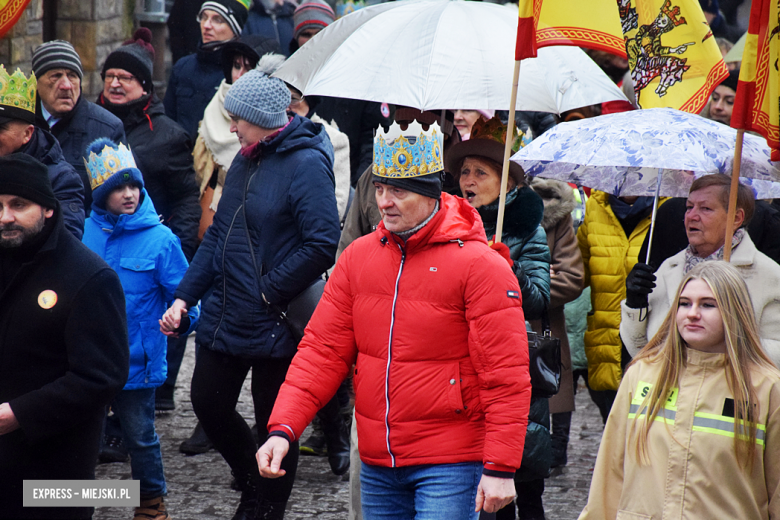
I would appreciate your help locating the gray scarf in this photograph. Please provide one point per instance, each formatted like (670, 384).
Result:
(691, 259)
(409, 232)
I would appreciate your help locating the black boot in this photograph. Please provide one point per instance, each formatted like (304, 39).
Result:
(315, 444)
(248, 505)
(336, 437)
(112, 450)
(163, 398)
(197, 443)
(267, 510)
(561, 424)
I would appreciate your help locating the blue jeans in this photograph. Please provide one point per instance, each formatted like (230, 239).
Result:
(430, 492)
(135, 410)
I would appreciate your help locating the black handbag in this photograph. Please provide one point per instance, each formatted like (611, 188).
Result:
(300, 308)
(544, 358)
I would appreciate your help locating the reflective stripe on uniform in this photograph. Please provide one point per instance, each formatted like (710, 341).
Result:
(668, 416)
(722, 425)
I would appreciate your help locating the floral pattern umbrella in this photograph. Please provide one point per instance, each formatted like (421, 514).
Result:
(622, 153)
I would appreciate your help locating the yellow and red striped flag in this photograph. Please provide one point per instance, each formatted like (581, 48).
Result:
(672, 53)
(10, 12)
(757, 103)
(570, 22)
(526, 30)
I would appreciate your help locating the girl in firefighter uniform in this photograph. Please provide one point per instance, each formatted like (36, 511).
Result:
(695, 429)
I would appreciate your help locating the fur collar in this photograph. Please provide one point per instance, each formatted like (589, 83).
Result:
(522, 215)
(558, 199)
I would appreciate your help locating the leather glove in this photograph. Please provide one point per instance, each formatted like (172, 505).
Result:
(639, 283)
(502, 249)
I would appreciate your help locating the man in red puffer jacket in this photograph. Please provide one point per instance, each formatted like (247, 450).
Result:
(433, 319)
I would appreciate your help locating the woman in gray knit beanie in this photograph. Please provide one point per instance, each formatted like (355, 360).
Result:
(275, 232)
(257, 104)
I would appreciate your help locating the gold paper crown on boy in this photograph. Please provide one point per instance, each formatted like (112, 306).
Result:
(413, 152)
(109, 159)
(17, 96)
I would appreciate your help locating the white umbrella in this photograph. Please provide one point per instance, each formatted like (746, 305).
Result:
(442, 54)
(735, 53)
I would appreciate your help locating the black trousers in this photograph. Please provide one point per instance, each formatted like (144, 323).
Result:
(216, 386)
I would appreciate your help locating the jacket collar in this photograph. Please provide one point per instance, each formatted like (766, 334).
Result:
(522, 214)
(455, 221)
(742, 255)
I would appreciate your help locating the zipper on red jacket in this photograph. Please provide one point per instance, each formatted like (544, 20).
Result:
(390, 356)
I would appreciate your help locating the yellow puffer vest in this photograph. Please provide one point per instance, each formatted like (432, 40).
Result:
(608, 257)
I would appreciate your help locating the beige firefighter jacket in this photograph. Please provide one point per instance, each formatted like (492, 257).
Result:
(693, 471)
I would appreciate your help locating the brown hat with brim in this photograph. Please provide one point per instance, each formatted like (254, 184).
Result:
(487, 140)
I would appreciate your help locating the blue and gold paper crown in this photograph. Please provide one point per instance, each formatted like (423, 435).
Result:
(108, 162)
(408, 153)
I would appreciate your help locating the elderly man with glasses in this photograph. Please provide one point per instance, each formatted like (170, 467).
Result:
(161, 147)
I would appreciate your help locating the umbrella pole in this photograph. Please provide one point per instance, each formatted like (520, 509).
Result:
(733, 195)
(655, 210)
(510, 128)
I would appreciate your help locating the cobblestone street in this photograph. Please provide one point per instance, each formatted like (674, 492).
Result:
(199, 486)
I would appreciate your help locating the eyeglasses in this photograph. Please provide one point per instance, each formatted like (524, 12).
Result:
(124, 79)
(295, 101)
(214, 19)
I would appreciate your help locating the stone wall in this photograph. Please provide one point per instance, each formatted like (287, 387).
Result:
(17, 46)
(94, 27)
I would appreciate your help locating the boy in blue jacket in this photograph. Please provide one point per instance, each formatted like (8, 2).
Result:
(125, 231)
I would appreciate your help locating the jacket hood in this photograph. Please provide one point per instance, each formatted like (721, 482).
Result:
(144, 217)
(558, 200)
(301, 133)
(44, 147)
(455, 220)
(522, 215)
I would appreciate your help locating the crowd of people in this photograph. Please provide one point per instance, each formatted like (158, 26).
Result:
(131, 222)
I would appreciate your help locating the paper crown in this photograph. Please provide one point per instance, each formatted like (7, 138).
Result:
(17, 95)
(408, 153)
(495, 130)
(110, 160)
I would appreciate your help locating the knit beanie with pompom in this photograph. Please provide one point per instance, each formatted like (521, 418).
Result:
(136, 56)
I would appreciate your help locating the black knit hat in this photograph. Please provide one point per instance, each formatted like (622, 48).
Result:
(56, 54)
(26, 177)
(136, 56)
(731, 80)
(251, 46)
(427, 185)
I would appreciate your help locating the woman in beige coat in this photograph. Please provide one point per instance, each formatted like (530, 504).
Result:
(566, 278)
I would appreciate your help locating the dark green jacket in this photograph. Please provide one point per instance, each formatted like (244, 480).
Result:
(527, 244)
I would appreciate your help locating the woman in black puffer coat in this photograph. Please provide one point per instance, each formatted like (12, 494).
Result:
(476, 163)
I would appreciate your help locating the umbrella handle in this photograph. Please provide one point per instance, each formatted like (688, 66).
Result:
(510, 127)
(655, 210)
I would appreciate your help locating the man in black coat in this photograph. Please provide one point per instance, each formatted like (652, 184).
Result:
(162, 149)
(62, 110)
(63, 350)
